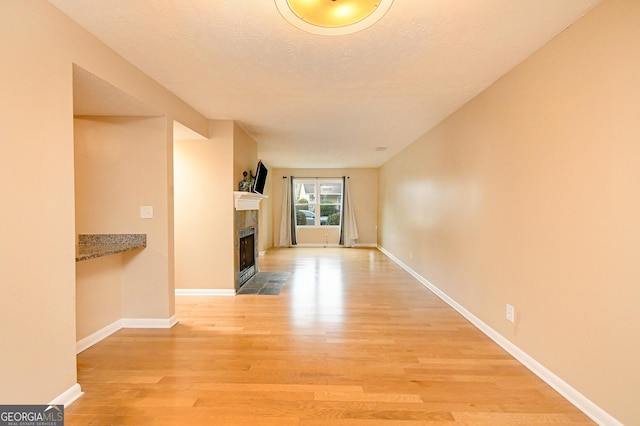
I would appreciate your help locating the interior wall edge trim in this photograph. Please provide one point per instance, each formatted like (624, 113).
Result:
(85, 343)
(67, 397)
(149, 322)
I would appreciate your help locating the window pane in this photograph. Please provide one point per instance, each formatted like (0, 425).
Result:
(305, 197)
(318, 202)
(330, 203)
(331, 188)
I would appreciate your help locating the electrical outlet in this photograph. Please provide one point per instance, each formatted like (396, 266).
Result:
(410, 255)
(511, 313)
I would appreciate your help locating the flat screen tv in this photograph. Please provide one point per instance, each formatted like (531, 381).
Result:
(261, 178)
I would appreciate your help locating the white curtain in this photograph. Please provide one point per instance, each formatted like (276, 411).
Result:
(287, 219)
(348, 227)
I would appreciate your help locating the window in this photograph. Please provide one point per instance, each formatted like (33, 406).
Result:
(318, 202)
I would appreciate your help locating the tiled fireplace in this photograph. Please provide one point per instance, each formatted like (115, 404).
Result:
(246, 224)
(246, 237)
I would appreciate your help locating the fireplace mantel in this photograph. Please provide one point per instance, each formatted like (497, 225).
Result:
(247, 200)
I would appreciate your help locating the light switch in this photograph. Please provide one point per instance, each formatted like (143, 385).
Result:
(146, 212)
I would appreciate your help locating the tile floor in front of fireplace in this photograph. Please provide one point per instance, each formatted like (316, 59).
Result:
(266, 283)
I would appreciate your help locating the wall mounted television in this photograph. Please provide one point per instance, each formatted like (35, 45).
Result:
(260, 179)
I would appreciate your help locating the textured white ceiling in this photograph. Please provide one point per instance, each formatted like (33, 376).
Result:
(314, 101)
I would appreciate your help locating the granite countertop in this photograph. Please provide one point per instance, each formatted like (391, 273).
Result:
(91, 246)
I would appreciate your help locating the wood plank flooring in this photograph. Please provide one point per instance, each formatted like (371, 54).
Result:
(352, 340)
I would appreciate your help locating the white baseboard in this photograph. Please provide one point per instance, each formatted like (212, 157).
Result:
(67, 397)
(149, 322)
(87, 342)
(205, 292)
(584, 404)
(335, 245)
(303, 245)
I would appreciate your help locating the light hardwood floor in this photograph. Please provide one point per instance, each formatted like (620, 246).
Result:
(352, 340)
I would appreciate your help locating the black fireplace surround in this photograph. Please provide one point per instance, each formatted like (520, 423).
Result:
(247, 255)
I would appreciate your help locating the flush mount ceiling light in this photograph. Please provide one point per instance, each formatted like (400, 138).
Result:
(333, 17)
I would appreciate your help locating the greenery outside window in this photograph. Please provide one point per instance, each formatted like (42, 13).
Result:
(318, 202)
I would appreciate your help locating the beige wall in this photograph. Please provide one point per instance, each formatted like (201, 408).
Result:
(121, 163)
(37, 266)
(245, 158)
(98, 294)
(364, 195)
(529, 195)
(245, 154)
(266, 214)
(204, 212)
(206, 172)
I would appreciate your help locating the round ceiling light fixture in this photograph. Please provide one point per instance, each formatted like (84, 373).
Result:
(332, 17)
